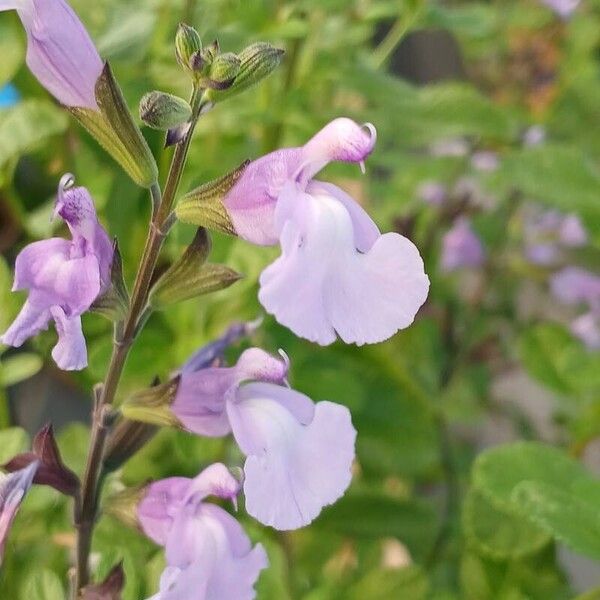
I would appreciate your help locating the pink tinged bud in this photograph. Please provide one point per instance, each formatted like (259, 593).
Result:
(60, 52)
(461, 247)
(13, 488)
(63, 279)
(534, 135)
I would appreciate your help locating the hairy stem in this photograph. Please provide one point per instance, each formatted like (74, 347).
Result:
(86, 506)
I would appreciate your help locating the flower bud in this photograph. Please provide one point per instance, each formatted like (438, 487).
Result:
(223, 71)
(187, 44)
(164, 111)
(256, 62)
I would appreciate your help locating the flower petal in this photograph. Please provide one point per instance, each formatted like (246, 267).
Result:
(215, 480)
(157, 508)
(29, 322)
(70, 352)
(47, 267)
(251, 201)
(366, 231)
(13, 488)
(200, 401)
(53, 30)
(214, 556)
(293, 470)
(321, 284)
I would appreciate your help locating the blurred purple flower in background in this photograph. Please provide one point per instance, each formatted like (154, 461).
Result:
(53, 32)
(63, 279)
(209, 556)
(485, 160)
(13, 488)
(547, 232)
(9, 96)
(461, 247)
(299, 454)
(337, 273)
(563, 8)
(433, 193)
(534, 136)
(573, 285)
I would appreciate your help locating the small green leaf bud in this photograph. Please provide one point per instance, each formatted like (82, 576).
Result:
(187, 44)
(164, 111)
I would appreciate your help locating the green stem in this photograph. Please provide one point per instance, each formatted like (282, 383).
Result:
(395, 35)
(86, 505)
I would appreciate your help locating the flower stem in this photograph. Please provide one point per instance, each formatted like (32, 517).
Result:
(86, 505)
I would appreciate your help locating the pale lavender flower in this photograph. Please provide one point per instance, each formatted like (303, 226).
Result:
(336, 273)
(563, 8)
(13, 488)
(209, 556)
(299, 454)
(485, 161)
(587, 328)
(60, 52)
(433, 193)
(534, 136)
(63, 279)
(461, 247)
(573, 285)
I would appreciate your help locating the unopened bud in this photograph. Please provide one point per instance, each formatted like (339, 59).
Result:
(211, 52)
(256, 62)
(223, 71)
(164, 111)
(187, 44)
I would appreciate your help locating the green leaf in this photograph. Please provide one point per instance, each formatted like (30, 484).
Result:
(558, 360)
(542, 484)
(43, 585)
(383, 584)
(497, 533)
(19, 367)
(560, 176)
(27, 125)
(570, 517)
(13, 440)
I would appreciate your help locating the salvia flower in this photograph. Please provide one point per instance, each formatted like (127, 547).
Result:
(461, 247)
(337, 273)
(63, 278)
(13, 488)
(60, 52)
(299, 454)
(209, 556)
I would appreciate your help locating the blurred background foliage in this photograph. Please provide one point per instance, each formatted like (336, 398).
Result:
(437, 508)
